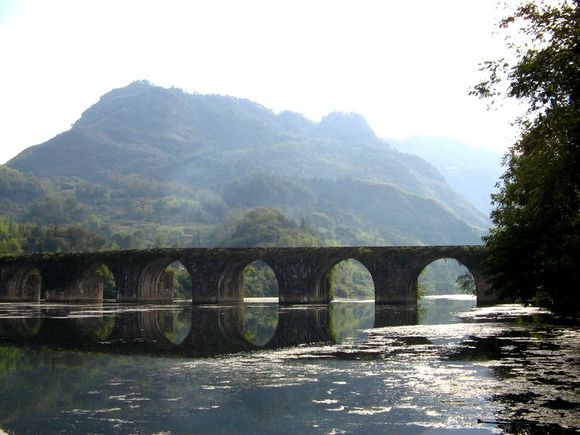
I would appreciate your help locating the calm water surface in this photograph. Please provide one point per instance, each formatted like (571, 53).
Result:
(445, 367)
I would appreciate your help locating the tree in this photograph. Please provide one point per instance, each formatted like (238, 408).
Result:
(534, 245)
(268, 227)
(10, 237)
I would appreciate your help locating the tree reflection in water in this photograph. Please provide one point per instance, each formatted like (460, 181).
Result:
(349, 320)
(260, 322)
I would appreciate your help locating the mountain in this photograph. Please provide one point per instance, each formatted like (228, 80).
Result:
(469, 170)
(147, 154)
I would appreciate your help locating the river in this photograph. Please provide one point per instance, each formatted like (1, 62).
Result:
(351, 367)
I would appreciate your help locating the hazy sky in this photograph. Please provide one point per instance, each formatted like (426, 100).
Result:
(406, 66)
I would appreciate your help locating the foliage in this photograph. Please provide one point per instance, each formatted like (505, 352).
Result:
(109, 284)
(259, 323)
(268, 227)
(150, 167)
(184, 288)
(349, 319)
(259, 280)
(10, 237)
(445, 276)
(350, 279)
(466, 284)
(148, 155)
(535, 241)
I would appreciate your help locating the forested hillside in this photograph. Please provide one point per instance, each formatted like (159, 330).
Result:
(148, 166)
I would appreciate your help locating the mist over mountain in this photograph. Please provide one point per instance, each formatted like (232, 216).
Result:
(469, 170)
(144, 154)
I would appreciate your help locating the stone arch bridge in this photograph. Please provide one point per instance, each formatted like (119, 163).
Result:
(216, 273)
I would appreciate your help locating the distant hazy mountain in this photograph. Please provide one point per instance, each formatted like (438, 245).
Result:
(214, 153)
(471, 171)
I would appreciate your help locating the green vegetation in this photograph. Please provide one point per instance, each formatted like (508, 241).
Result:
(259, 280)
(171, 176)
(259, 323)
(10, 237)
(26, 238)
(446, 276)
(350, 279)
(535, 241)
(267, 227)
(109, 285)
(347, 320)
(150, 167)
(466, 284)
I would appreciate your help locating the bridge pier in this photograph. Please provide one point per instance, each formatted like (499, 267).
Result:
(297, 283)
(393, 281)
(208, 276)
(71, 278)
(87, 288)
(143, 281)
(127, 281)
(484, 292)
(391, 273)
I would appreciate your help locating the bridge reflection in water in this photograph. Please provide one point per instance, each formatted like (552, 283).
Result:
(194, 331)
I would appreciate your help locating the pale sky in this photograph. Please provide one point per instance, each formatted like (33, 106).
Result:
(407, 66)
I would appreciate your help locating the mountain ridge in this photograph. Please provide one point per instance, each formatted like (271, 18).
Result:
(159, 135)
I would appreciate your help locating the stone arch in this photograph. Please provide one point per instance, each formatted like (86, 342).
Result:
(443, 273)
(230, 287)
(323, 276)
(422, 263)
(24, 284)
(154, 284)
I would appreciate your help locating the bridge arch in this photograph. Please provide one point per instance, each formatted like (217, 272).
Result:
(462, 257)
(335, 275)
(234, 278)
(24, 284)
(156, 283)
(155, 328)
(445, 276)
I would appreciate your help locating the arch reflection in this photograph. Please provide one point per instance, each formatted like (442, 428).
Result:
(445, 276)
(350, 320)
(350, 279)
(197, 331)
(260, 322)
(20, 328)
(94, 328)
